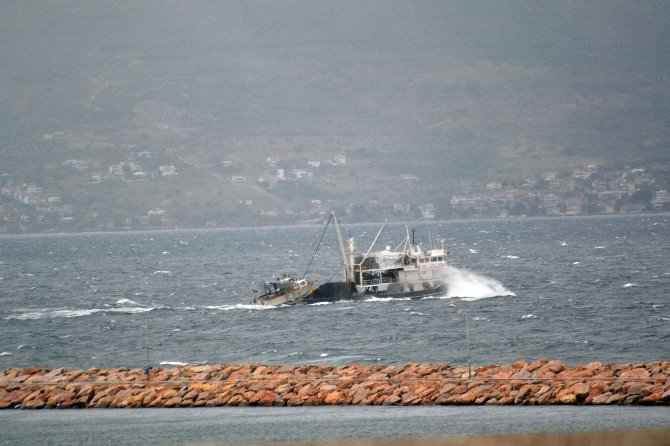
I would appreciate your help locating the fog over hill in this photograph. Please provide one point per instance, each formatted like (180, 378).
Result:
(455, 92)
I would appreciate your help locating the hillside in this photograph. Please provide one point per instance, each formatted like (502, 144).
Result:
(452, 94)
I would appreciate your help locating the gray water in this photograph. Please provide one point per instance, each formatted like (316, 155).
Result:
(239, 424)
(577, 290)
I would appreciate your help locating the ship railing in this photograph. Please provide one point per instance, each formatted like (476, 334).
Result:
(377, 281)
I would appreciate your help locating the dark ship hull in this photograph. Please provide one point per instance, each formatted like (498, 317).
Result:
(336, 291)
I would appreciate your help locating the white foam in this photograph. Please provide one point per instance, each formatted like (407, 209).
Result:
(46, 314)
(239, 307)
(386, 299)
(162, 272)
(5, 354)
(320, 303)
(528, 316)
(628, 285)
(510, 257)
(126, 301)
(576, 263)
(564, 244)
(173, 363)
(599, 247)
(68, 313)
(473, 251)
(471, 286)
(130, 310)
(323, 355)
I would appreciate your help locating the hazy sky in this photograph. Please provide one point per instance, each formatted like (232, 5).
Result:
(479, 73)
(626, 34)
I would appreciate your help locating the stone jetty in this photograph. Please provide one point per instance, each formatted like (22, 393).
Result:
(539, 382)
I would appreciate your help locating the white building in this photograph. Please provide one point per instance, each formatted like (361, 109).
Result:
(167, 171)
(427, 211)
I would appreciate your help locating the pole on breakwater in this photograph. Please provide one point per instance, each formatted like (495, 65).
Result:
(467, 338)
(147, 370)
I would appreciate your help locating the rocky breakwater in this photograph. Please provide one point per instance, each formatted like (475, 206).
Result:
(540, 382)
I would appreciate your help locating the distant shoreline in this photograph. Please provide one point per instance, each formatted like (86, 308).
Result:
(356, 224)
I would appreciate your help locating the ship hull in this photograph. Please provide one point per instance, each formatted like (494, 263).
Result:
(336, 291)
(292, 297)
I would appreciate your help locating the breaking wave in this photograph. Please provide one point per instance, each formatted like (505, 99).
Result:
(471, 286)
(239, 307)
(68, 313)
(386, 299)
(173, 363)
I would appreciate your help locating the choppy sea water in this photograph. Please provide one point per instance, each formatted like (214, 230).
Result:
(579, 290)
(574, 289)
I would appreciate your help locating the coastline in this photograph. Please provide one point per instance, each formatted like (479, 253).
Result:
(352, 224)
(542, 382)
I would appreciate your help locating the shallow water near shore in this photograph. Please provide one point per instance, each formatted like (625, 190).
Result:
(142, 426)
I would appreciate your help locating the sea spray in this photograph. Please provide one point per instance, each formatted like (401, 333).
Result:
(471, 286)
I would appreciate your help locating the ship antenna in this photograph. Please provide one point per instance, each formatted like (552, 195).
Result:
(407, 239)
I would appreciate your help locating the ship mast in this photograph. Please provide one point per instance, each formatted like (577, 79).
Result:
(348, 269)
(374, 242)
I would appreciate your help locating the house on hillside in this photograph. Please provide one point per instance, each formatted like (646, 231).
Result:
(168, 171)
(427, 211)
(401, 208)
